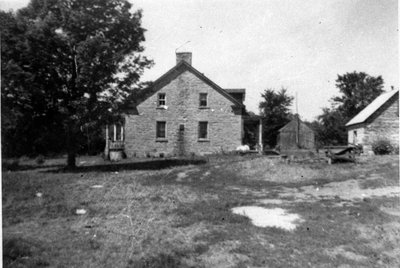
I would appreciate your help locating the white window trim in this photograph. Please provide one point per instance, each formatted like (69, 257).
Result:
(158, 100)
(200, 106)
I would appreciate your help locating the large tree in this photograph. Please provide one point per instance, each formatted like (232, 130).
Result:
(275, 110)
(357, 89)
(70, 62)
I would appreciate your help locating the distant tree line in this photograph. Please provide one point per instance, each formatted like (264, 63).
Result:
(357, 89)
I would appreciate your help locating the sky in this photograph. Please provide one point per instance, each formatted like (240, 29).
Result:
(301, 45)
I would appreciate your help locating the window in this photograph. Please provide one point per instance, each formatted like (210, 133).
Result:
(203, 99)
(355, 137)
(181, 132)
(161, 99)
(203, 130)
(115, 132)
(118, 133)
(161, 130)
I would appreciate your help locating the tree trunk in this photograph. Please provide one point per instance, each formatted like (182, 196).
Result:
(71, 159)
(71, 162)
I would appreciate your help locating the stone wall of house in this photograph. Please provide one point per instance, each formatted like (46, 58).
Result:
(356, 134)
(182, 108)
(384, 124)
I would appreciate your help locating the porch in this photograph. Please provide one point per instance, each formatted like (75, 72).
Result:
(114, 148)
(253, 133)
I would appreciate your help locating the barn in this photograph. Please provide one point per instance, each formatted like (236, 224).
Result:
(379, 120)
(296, 135)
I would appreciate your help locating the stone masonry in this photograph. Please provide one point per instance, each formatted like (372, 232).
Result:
(182, 108)
(384, 124)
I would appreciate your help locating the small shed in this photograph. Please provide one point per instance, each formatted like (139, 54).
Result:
(379, 120)
(296, 135)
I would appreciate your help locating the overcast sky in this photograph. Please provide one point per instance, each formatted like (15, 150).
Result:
(301, 45)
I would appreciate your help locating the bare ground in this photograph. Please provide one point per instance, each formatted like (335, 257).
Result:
(180, 216)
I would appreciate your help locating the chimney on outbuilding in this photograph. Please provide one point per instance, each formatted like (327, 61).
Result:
(184, 56)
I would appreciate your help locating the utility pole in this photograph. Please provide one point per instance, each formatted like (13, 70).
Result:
(298, 123)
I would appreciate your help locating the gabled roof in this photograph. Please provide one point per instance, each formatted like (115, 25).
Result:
(293, 125)
(368, 111)
(178, 69)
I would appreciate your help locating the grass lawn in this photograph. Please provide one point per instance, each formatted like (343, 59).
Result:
(177, 213)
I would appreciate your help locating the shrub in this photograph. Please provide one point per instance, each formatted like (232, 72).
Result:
(382, 146)
(12, 164)
(24, 158)
(39, 159)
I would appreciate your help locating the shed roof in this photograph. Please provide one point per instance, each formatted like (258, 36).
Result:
(293, 125)
(362, 116)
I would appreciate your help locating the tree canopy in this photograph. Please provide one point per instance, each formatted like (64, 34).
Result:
(68, 63)
(357, 89)
(275, 109)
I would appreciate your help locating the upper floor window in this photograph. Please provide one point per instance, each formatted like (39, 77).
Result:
(203, 100)
(162, 101)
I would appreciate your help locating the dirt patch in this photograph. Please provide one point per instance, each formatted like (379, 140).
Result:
(205, 175)
(345, 252)
(183, 175)
(347, 190)
(180, 176)
(271, 201)
(391, 211)
(263, 217)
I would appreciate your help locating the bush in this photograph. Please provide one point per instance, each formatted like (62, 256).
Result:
(12, 164)
(382, 146)
(39, 159)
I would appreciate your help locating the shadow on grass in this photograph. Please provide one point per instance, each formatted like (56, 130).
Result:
(20, 252)
(14, 167)
(145, 165)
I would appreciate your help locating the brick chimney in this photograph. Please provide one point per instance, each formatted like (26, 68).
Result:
(184, 56)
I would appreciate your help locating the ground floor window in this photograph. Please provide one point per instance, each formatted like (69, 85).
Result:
(115, 132)
(161, 129)
(203, 130)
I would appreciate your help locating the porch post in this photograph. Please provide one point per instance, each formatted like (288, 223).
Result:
(260, 139)
(122, 132)
(115, 132)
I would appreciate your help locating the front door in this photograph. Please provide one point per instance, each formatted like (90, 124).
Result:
(181, 140)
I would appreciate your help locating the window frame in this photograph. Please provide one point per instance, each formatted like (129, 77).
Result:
(158, 130)
(206, 138)
(200, 100)
(159, 99)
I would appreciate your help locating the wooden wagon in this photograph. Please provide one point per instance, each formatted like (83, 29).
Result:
(341, 153)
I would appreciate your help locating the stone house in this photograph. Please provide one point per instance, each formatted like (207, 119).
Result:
(185, 113)
(379, 120)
